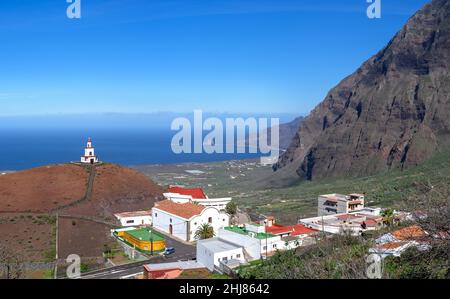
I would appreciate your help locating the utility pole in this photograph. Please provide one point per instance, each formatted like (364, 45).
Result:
(265, 231)
(151, 241)
(323, 227)
(56, 251)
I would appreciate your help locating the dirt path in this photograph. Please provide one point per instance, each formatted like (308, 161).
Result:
(87, 196)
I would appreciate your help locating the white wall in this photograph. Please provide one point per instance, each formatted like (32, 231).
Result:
(255, 228)
(251, 245)
(162, 221)
(236, 254)
(219, 220)
(178, 198)
(209, 258)
(204, 256)
(273, 244)
(89, 152)
(219, 203)
(137, 220)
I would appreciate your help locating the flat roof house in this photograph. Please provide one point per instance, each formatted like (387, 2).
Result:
(353, 223)
(134, 218)
(253, 238)
(215, 253)
(330, 204)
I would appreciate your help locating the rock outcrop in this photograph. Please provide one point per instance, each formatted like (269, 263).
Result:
(392, 113)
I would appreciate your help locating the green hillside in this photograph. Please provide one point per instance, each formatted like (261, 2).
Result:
(387, 189)
(242, 181)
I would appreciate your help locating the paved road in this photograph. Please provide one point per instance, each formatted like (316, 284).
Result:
(182, 252)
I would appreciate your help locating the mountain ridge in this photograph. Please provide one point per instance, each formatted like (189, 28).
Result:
(391, 113)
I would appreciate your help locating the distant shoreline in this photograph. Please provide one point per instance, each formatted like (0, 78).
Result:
(3, 172)
(192, 162)
(252, 160)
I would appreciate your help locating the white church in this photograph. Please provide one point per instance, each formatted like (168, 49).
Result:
(186, 209)
(89, 154)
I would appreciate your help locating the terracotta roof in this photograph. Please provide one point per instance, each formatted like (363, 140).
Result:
(392, 245)
(410, 232)
(183, 210)
(300, 229)
(196, 193)
(164, 273)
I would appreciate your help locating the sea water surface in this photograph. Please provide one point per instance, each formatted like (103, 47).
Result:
(25, 148)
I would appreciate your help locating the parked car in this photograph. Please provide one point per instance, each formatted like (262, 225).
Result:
(169, 251)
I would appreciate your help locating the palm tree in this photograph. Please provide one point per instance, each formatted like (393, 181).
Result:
(205, 231)
(388, 216)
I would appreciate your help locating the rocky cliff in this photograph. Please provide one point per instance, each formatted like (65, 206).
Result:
(392, 113)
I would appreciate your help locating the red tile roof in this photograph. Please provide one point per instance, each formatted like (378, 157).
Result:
(183, 210)
(370, 222)
(294, 230)
(392, 245)
(300, 229)
(196, 193)
(277, 229)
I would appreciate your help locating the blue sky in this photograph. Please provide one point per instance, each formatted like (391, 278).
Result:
(170, 55)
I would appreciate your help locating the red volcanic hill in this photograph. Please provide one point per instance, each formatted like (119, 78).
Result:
(83, 190)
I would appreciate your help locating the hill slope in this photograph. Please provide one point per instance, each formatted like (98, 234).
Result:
(43, 188)
(118, 189)
(392, 113)
(64, 187)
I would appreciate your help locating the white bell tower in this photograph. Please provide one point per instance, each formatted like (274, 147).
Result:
(89, 154)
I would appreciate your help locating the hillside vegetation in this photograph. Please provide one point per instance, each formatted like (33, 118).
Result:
(240, 179)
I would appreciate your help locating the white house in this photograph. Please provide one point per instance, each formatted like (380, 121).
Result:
(235, 245)
(212, 252)
(253, 240)
(135, 218)
(183, 219)
(195, 195)
(89, 154)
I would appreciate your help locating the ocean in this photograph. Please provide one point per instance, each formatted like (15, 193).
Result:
(27, 148)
